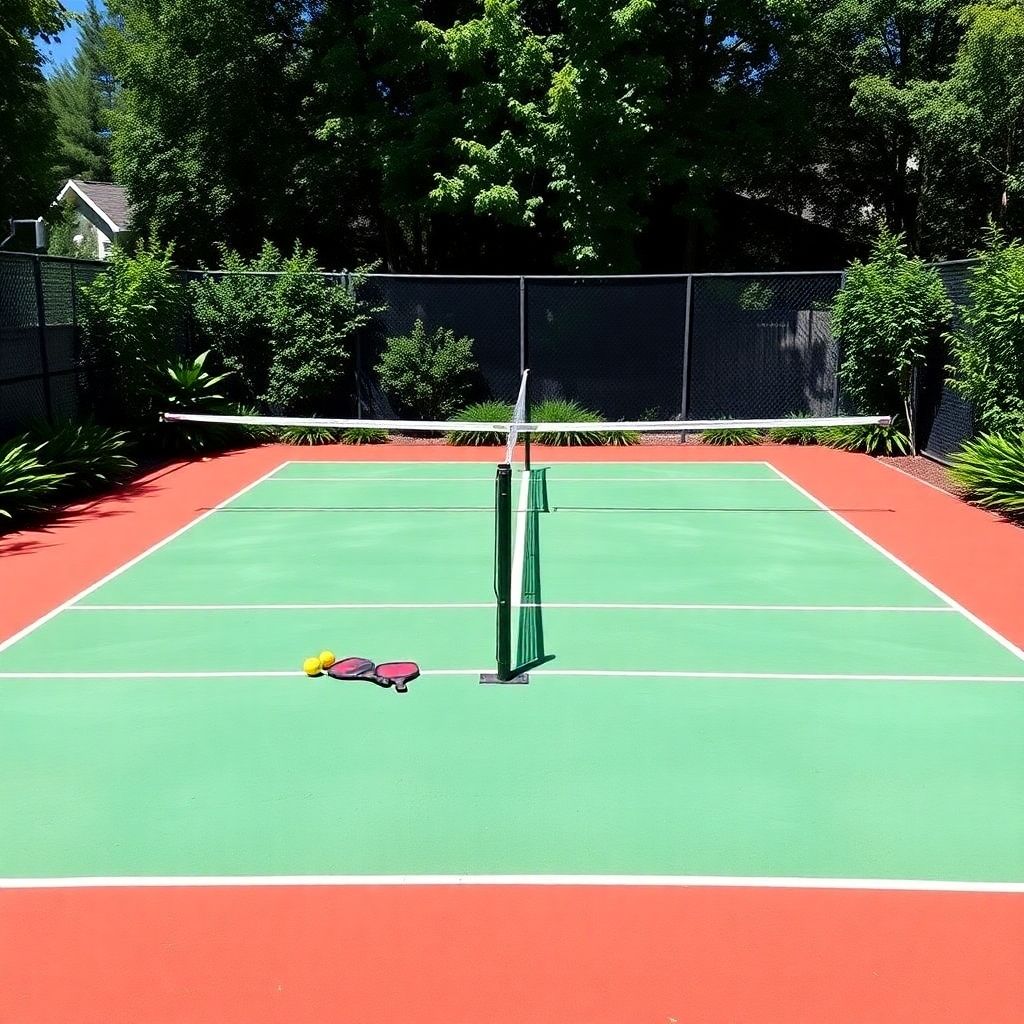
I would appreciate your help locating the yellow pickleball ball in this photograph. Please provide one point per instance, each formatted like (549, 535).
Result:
(327, 659)
(311, 666)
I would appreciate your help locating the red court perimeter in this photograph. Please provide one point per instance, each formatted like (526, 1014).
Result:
(537, 953)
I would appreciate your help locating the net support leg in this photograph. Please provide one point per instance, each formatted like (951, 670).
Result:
(503, 579)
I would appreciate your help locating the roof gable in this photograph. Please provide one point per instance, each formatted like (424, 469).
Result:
(105, 198)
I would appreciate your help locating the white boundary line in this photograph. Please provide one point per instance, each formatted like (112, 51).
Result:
(33, 626)
(357, 605)
(582, 881)
(519, 544)
(998, 637)
(242, 674)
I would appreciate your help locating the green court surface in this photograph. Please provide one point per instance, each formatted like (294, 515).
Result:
(737, 685)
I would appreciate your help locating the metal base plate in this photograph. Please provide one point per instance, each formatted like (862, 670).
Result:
(492, 677)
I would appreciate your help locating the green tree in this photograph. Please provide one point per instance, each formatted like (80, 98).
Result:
(976, 117)
(27, 185)
(582, 121)
(209, 126)
(988, 347)
(82, 95)
(870, 67)
(890, 310)
(67, 236)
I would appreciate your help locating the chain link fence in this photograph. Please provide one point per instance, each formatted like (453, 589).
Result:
(761, 345)
(945, 419)
(40, 363)
(701, 346)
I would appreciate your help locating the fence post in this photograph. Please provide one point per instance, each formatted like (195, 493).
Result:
(524, 362)
(687, 332)
(44, 357)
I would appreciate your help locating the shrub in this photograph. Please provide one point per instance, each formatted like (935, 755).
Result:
(869, 439)
(991, 469)
(89, 455)
(231, 314)
(482, 412)
(313, 327)
(25, 482)
(732, 435)
(282, 327)
(887, 315)
(988, 349)
(793, 433)
(309, 435)
(429, 374)
(130, 314)
(364, 435)
(64, 228)
(186, 386)
(567, 410)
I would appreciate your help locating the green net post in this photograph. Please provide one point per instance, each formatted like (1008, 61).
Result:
(503, 571)
(503, 580)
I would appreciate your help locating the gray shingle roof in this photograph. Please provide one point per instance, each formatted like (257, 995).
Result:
(109, 198)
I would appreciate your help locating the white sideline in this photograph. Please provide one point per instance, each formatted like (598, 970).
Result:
(636, 881)
(244, 674)
(983, 626)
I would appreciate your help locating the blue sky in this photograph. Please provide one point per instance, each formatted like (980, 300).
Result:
(57, 53)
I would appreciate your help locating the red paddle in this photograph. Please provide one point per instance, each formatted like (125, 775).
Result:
(392, 673)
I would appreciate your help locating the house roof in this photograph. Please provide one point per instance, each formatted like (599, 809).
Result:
(105, 198)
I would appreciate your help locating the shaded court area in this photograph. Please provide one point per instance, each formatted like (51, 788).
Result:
(764, 769)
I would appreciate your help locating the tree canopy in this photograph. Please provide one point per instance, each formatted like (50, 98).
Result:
(26, 126)
(555, 134)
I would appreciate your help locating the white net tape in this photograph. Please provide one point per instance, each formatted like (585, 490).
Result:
(497, 427)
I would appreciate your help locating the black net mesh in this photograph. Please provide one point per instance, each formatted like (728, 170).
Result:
(945, 419)
(40, 351)
(762, 346)
(615, 345)
(483, 309)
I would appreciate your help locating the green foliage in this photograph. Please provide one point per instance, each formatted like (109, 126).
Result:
(889, 312)
(27, 181)
(757, 295)
(26, 483)
(187, 386)
(283, 328)
(90, 456)
(793, 433)
(363, 435)
(130, 316)
(309, 435)
(869, 439)
(567, 410)
(428, 374)
(209, 131)
(56, 461)
(65, 226)
(971, 120)
(988, 348)
(991, 469)
(482, 412)
(731, 436)
(81, 95)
